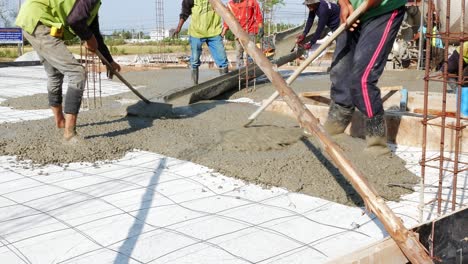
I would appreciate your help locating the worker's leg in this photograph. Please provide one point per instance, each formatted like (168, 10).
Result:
(216, 46)
(59, 61)
(452, 63)
(196, 48)
(370, 57)
(341, 108)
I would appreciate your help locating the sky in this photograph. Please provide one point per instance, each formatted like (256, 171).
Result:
(141, 15)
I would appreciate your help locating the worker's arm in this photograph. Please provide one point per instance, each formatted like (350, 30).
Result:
(309, 23)
(346, 9)
(225, 25)
(323, 17)
(184, 15)
(102, 47)
(77, 19)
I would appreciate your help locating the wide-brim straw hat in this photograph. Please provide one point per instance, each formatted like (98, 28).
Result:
(311, 2)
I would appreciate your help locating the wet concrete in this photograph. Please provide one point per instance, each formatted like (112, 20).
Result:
(273, 152)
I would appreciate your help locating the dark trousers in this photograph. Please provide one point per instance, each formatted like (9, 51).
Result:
(453, 63)
(359, 60)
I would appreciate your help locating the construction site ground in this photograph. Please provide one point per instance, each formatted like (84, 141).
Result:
(192, 187)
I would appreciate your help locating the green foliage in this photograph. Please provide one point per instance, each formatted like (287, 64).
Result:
(175, 41)
(230, 36)
(8, 52)
(114, 42)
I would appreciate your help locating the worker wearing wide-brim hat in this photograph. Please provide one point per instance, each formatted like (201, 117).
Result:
(328, 16)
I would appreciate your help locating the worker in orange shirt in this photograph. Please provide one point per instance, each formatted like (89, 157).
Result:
(249, 15)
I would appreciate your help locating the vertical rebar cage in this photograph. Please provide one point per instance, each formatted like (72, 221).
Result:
(160, 58)
(449, 160)
(92, 94)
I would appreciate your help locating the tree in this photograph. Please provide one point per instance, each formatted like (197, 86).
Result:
(268, 11)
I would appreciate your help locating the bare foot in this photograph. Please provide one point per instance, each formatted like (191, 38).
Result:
(69, 133)
(60, 123)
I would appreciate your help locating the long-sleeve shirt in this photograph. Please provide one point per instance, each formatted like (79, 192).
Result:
(248, 13)
(77, 19)
(328, 15)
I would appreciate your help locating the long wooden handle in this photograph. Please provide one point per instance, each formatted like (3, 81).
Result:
(406, 240)
(312, 57)
(121, 78)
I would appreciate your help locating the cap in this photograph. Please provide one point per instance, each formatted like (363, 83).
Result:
(311, 2)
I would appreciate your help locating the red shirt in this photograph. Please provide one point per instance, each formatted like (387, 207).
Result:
(248, 13)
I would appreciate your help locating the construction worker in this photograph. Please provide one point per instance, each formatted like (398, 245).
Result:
(328, 16)
(46, 25)
(249, 15)
(453, 63)
(358, 62)
(205, 27)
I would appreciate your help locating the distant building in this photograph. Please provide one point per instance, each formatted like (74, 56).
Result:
(159, 34)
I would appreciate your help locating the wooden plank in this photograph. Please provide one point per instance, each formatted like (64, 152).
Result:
(449, 239)
(405, 239)
(403, 128)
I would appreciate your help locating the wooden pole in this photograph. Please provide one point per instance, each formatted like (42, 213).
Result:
(407, 241)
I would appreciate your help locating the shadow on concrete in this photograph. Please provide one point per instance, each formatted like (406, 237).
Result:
(135, 231)
(352, 195)
(135, 123)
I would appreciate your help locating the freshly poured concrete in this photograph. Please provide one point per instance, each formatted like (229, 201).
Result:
(144, 207)
(272, 152)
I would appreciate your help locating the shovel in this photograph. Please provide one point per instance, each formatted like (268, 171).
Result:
(145, 108)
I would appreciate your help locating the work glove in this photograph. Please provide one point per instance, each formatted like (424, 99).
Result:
(261, 32)
(300, 38)
(307, 46)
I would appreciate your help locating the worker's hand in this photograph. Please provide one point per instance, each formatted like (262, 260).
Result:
(176, 33)
(307, 46)
(300, 38)
(110, 72)
(223, 33)
(261, 32)
(346, 9)
(91, 44)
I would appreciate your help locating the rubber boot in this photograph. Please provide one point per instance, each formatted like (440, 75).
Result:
(376, 136)
(195, 76)
(338, 119)
(223, 71)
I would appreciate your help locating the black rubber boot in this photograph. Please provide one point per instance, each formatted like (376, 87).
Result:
(338, 119)
(376, 136)
(223, 70)
(195, 76)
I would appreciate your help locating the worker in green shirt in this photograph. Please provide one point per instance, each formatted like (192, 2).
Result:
(205, 27)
